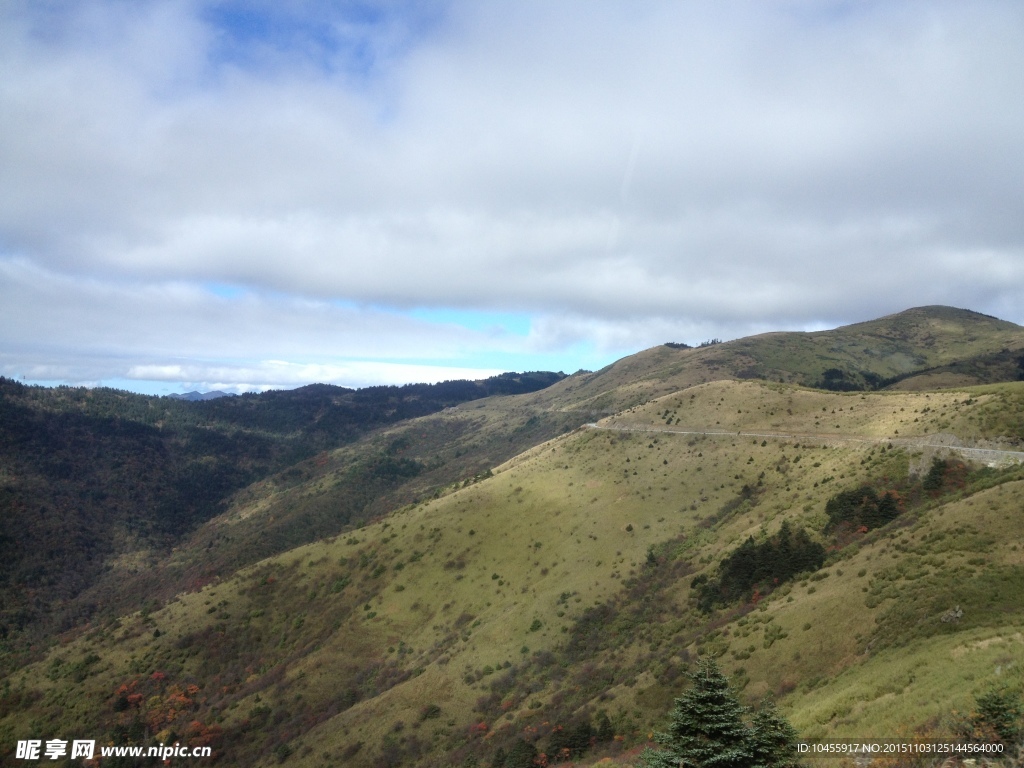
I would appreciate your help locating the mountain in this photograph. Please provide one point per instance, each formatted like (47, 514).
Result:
(113, 481)
(535, 567)
(194, 395)
(923, 347)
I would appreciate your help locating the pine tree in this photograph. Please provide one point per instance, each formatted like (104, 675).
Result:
(578, 738)
(707, 728)
(999, 712)
(772, 738)
(605, 730)
(521, 755)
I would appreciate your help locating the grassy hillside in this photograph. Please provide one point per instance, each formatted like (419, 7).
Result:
(111, 481)
(927, 347)
(564, 587)
(335, 490)
(114, 481)
(339, 490)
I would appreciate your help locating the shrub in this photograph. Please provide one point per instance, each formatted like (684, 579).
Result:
(522, 754)
(430, 712)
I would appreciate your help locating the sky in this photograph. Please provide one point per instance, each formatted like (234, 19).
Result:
(216, 194)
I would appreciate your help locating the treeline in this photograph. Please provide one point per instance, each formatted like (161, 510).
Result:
(682, 345)
(317, 409)
(323, 413)
(865, 508)
(862, 508)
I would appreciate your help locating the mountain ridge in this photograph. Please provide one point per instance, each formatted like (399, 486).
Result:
(535, 574)
(196, 395)
(991, 353)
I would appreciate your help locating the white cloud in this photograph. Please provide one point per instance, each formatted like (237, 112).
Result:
(281, 374)
(177, 320)
(618, 171)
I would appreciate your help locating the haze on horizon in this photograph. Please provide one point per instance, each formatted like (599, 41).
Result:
(216, 194)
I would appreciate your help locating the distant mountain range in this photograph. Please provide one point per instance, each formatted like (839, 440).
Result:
(196, 396)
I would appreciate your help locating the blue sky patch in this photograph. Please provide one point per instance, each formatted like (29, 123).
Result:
(351, 38)
(225, 290)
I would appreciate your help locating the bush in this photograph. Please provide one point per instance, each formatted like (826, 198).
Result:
(430, 712)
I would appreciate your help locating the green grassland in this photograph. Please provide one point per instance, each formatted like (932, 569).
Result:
(437, 588)
(337, 490)
(922, 348)
(162, 496)
(559, 587)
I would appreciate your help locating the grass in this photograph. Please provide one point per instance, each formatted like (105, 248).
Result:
(336, 643)
(897, 689)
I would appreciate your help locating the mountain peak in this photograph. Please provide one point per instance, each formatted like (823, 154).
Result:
(941, 312)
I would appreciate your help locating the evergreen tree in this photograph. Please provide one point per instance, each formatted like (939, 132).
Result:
(753, 566)
(605, 730)
(521, 755)
(578, 738)
(936, 475)
(773, 739)
(707, 728)
(999, 712)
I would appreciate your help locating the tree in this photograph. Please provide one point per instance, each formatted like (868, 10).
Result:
(754, 567)
(999, 712)
(521, 755)
(605, 730)
(772, 738)
(707, 730)
(579, 737)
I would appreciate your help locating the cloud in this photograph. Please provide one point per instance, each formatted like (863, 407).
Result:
(180, 319)
(281, 374)
(615, 171)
